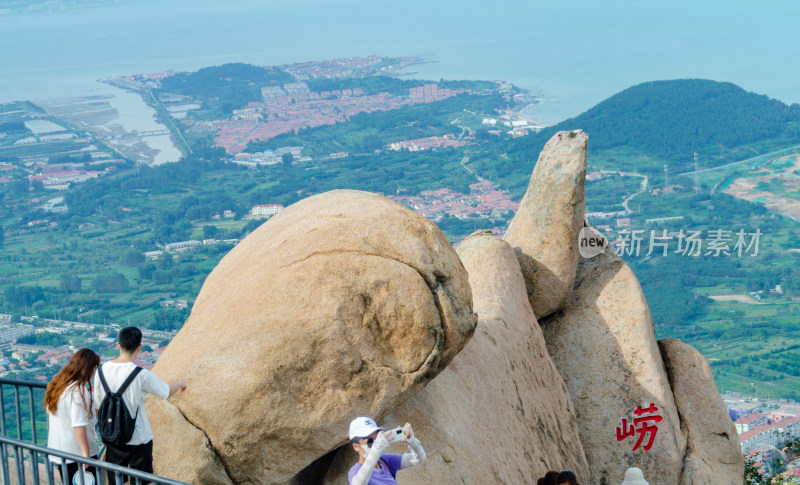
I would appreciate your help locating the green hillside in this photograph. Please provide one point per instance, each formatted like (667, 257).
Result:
(89, 263)
(672, 119)
(666, 122)
(227, 87)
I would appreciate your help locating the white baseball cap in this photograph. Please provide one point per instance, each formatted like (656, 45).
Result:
(362, 427)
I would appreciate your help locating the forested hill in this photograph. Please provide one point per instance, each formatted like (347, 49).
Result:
(670, 120)
(230, 86)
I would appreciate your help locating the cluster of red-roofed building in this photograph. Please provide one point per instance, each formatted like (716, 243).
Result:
(149, 359)
(40, 362)
(55, 357)
(293, 106)
(485, 199)
(766, 431)
(55, 178)
(428, 93)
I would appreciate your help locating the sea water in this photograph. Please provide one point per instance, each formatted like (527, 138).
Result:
(575, 54)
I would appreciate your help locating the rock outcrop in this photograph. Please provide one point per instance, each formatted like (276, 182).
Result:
(346, 304)
(713, 454)
(603, 344)
(343, 304)
(544, 231)
(500, 412)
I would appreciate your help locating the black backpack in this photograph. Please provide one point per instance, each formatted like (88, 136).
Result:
(114, 421)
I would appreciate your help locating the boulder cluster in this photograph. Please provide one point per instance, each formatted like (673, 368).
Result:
(510, 357)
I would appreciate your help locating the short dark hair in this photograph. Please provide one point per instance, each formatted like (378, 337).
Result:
(550, 478)
(130, 338)
(567, 477)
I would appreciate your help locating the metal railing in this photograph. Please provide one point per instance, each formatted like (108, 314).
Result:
(30, 462)
(28, 459)
(22, 417)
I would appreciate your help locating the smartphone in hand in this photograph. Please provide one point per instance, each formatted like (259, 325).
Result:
(395, 435)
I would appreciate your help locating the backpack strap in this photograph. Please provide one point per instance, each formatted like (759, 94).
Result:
(124, 385)
(130, 379)
(127, 383)
(103, 379)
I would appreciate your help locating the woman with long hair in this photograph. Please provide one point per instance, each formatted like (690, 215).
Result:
(70, 418)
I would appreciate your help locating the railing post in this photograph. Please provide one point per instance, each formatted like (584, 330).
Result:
(18, 459)
(33, 415)
(48, 465)
(64, 472)
(4, 457)
(3, 408)
(81, 480)
(19, 414)
(34, 466)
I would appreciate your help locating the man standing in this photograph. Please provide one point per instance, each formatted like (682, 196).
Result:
(138, 452)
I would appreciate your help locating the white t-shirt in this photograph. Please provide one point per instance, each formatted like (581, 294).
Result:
(70, 413)
(145, 383)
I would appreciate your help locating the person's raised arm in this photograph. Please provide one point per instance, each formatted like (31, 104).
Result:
(152, 384)
(370, 460)
(417, 454)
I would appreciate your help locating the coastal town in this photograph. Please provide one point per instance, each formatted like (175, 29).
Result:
(63, 144)
(294, 107)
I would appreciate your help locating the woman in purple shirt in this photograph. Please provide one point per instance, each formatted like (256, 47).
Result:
(373, 467)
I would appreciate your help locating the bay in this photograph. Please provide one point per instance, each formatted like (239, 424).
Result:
(575, 54)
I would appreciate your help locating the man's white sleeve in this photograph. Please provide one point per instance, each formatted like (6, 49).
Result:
(151, 384)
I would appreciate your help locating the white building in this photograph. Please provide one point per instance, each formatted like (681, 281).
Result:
(9, 332)
(182, 245)
(265, 210)
(771, 435)
(746, 423)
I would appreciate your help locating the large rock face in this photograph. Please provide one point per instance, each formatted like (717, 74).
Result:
(603, 344)
(713, 454)
(544, 231)
(343, 304)
(500, 412)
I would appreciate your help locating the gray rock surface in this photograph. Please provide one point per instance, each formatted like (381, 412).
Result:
(713, 454)
(603, 344)
(544, 231)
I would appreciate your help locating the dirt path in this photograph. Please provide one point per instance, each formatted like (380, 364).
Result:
(642, 188)
(741, 298)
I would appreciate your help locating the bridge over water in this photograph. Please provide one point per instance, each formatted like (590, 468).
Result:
(132, 134)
